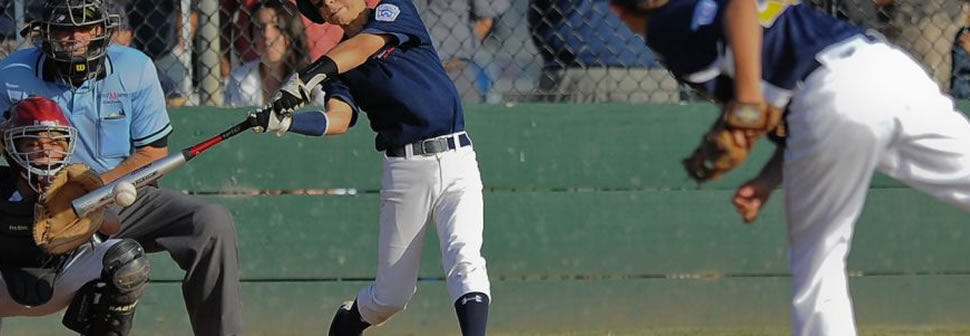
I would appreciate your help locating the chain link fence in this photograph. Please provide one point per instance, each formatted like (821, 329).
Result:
(238, 52)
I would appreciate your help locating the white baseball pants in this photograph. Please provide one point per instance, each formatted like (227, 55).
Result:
(444, 189)
(870, 106)
(83, 267)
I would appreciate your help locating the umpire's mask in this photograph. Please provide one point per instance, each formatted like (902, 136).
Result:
(75, 35)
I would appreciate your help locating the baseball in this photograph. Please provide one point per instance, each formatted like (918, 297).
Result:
(125, 194)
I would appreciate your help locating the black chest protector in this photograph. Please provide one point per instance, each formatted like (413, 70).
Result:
(17, 248)
(28, 273)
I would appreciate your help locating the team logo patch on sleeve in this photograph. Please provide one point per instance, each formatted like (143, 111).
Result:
(386, 12)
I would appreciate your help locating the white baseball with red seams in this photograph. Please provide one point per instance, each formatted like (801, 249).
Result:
(125, 194)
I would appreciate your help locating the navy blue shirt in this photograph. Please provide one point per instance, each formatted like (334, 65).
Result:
(690, 39)
(403, 88)
(585, 33)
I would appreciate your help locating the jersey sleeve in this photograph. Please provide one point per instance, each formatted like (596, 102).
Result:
(337, 89)
(150, 121)
(399, 19)
(685, 33)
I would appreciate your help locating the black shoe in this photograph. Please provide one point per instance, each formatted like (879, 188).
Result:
(347, 321)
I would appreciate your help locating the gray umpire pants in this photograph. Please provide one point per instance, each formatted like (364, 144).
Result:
(201, 238)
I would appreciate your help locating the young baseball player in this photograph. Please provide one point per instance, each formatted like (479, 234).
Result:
(855, 104)
(387, 66)
(102, 281)
(113, 98)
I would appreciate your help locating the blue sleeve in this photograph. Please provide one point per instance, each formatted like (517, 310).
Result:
(399, 19)
(150, 120)
(960, 71)
(336, 88)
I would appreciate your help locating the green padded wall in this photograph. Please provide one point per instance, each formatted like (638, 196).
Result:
(592, 228)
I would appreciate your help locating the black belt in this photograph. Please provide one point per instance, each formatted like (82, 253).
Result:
(430, 146)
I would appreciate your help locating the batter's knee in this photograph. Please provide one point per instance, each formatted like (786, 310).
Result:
(380, 308)
(468, 276)
(394, 303)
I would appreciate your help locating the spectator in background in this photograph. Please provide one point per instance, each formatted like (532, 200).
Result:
(8, 36)
(123, 33)
(320, 37)
(457, 29)
(960, 56)
(157, 32)
(282, 49)
(590, 56)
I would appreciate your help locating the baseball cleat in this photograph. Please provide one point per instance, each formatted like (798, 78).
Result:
(347, 321)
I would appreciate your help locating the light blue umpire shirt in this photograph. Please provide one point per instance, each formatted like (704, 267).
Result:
(121, 110)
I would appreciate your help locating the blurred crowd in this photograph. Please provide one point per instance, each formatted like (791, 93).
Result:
(494, 50)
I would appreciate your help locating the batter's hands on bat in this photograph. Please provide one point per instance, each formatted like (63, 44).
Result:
(269, 120)
(291, 96)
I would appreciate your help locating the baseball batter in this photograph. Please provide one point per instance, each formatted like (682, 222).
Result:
(102, 281)
(386, 66)
(856, 104)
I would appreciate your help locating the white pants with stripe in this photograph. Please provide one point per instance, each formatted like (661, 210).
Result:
(82, 268)
(445, 191)
(875, 109)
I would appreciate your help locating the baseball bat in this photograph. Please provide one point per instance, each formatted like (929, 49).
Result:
(151, 172)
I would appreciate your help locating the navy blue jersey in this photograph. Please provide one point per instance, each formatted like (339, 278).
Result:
(690, 38)
(403, 88)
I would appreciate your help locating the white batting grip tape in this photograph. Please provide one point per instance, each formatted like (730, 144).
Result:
(104, 195)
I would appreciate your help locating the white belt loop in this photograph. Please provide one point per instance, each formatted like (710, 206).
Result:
(408, 152)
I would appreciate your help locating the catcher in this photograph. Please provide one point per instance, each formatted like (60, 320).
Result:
(49, 258)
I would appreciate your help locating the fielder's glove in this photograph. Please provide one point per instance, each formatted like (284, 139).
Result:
(727, 144)
(57, 229)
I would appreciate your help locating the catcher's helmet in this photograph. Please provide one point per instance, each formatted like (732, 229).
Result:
(310, 10)
(38, 137)
(75, 60)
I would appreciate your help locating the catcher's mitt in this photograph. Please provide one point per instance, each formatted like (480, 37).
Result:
(57, 229)
(727, 144)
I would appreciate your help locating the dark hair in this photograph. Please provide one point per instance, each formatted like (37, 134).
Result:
(291, 26)
(640, 6)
